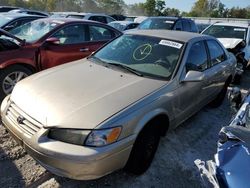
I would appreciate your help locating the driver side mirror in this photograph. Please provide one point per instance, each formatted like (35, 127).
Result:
(193, 76)
(53, 40)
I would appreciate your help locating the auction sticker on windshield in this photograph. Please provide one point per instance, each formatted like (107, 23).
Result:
(171, 43)
(239, 29)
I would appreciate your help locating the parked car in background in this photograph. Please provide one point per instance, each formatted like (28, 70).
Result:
(201, 26)
(130, 18)
(140, 19)
(87, 118)
(61, 14)
(32, 12)
(232, 36)
(10, 21)
(7, 8)
(118, 17)
(45, 43)
(123, 25)
(169, 23)
(92, 16)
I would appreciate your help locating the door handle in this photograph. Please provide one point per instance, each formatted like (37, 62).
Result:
(84, 50)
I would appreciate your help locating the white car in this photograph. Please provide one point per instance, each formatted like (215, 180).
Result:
(230, 35)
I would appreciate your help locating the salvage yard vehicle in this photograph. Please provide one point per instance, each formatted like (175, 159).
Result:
(235, 37)
(45, 43)
(169, 23)
(10, 21)
(103, 18)
(123, 25)
(232, 160)
(31, 12)
(88, 118)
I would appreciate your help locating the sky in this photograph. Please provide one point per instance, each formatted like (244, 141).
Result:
(186, 5)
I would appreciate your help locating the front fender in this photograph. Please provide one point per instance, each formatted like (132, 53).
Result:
(148, 117)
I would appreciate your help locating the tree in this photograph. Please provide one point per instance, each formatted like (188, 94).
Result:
(237, 12)
(160, 5)
(137, 9)
(150, 7)
(200, 8)
(171, 12)
(111, 6)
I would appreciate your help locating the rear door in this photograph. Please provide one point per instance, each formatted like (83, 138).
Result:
(76, 41)
(217, 73)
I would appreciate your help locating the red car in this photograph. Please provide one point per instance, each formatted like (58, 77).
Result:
(45, 43)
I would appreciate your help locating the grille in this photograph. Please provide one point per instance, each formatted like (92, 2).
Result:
(28, 125)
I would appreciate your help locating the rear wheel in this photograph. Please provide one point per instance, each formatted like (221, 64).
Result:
(10, 76)
(143, 150)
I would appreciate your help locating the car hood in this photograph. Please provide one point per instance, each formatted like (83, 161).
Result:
(80, 94)
(230, 42)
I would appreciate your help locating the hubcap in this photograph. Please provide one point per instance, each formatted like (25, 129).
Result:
(11, 79)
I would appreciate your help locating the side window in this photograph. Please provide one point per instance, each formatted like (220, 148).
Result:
(186, 25)
(98, 19)
(217, 54)
(72, 34)
(178, 26)
(197, 58)
(97, 33)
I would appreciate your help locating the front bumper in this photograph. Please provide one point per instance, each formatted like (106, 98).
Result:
(68, 160)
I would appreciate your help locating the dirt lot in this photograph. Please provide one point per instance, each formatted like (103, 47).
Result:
(173, 165)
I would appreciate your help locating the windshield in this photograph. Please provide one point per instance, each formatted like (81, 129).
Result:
(220, 31)
(33, 31)
(4, 20)
(156, 23)
(149, 56)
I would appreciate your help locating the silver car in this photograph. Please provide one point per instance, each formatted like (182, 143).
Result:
(88, 118)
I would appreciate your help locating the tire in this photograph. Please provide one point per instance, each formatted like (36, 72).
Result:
(220, 97)
(10, 76)
(143, 150)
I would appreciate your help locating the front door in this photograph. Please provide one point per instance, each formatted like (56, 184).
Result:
(76, 42)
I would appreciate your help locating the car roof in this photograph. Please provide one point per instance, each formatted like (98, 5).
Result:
(18, 15)
(66, 20)
(232, 24)
(84, 14)
(168, 17)
(181, 36)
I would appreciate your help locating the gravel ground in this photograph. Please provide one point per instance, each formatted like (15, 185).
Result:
(173, 165)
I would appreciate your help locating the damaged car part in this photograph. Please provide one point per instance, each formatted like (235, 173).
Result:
(232, 160)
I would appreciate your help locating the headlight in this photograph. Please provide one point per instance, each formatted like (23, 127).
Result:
(71, 136)
(103, 137)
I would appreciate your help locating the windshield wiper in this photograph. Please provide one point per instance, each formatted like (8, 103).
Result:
(127, 68)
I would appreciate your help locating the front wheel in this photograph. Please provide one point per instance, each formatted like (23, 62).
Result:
(143, 150)
(10, 76)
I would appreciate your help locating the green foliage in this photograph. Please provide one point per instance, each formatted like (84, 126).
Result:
(171, 12)
(201, 8)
